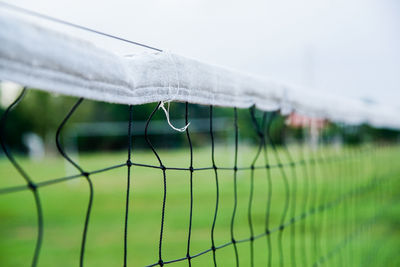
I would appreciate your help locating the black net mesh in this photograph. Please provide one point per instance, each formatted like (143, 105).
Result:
(242, 196)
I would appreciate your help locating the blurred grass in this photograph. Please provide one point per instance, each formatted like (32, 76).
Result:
(65, 203)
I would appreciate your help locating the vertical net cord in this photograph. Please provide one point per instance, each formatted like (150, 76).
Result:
(347, 180)
(128, 184)
(287, 197)
(84, 174)
(250, 203)
(352, 201)
(325, 172)
(346, 209)
(326, 153)
(337, 211)
(31, 185)
(354, 174)
(341, 209)
(319, 154)
(293, 202)
(191, 184)
(313, 201)
(235, 187)
(320, 197)
(360, 183)
(359, 175)
(163, 168)
(213, 247)
(58, 143)
(304, 204)
(352, 168)
(269, 188)
(374, 176)
(339, 189)
(331, 171)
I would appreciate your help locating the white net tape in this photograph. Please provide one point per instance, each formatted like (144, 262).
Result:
(38, 57)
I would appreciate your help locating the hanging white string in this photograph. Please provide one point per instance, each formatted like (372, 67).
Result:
(166, 111)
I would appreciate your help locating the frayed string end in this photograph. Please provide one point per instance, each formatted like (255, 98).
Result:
(166, 111)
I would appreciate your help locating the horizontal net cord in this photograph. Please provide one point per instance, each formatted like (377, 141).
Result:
(38, 57)
(60, 21)
(269, 166)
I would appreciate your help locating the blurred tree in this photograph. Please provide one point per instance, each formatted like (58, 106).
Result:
(42, 113)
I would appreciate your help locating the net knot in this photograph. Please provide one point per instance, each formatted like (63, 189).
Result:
(267, 232)
(235, 168)
(252, 167)
(32, 186)
(160, 262)
(191, 169)
(163, 167)
(188, 256)
(213, 248)
(86, 174)
(129, 163)
(281, 227)
(267, 166)
(233, 241)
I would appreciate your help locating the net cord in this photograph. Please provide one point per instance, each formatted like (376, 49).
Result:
(84, 174)
(128, 184)
(77, 26)
(213, 247)
(30, 184)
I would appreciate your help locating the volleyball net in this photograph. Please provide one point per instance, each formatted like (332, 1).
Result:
(291, 177)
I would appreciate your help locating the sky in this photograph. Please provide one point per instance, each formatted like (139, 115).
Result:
(348, 47)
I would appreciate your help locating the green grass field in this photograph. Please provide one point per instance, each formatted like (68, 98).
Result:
(372, 243)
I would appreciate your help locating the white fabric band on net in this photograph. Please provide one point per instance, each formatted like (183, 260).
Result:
(38, 57)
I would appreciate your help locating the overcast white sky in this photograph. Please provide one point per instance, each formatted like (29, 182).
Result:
(345, 46)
